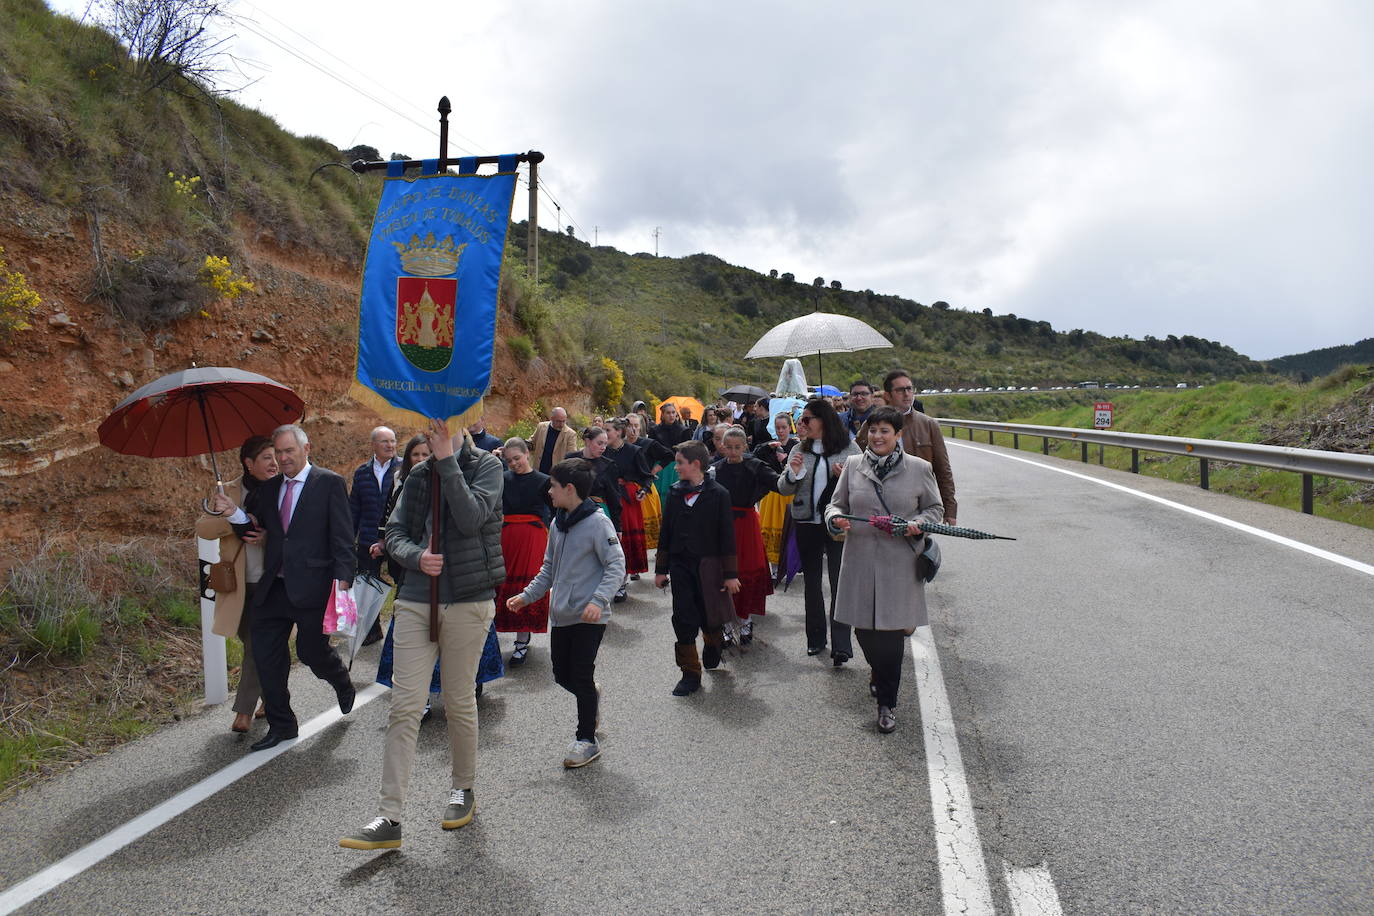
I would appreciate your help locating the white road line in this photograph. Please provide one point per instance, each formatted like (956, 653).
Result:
(96, 851)
(963, 872)
(1347, 562)
(1031, 890)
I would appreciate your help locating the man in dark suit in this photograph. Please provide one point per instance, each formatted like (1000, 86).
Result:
(309, 550)
(372, 484)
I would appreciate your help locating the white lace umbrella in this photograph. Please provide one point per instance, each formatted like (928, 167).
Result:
(818, 332)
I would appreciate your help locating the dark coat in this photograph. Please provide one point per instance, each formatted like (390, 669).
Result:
(706, 529)
(367, 501)
(318, 546)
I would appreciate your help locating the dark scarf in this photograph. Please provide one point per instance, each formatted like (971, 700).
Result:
(684, 489)
(883, 465)
(565, 519)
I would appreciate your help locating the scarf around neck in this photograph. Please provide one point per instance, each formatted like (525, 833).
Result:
(565, 519)
(882, 465)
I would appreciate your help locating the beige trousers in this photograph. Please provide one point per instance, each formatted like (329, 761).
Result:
(463, 630)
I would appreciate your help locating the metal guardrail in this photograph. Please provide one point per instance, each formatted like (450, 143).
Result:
(1307, 462)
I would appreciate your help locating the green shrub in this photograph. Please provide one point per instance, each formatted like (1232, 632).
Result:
(522, 348)
(179, 609)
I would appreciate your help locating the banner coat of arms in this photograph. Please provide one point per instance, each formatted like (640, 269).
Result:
(427, 313)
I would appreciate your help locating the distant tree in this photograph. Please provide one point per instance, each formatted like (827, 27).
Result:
(835, 284)
(788, 278)
(395, 156)
(987, 312)
(361, 151)
(569, 230)
(941, 305)
(819, 281)
(773, 273)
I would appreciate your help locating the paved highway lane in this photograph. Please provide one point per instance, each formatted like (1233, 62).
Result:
(770, 791)
(1173, 716)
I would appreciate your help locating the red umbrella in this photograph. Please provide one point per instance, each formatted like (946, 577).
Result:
(198, 411)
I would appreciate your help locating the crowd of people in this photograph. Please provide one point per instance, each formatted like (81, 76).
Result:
(481, 536)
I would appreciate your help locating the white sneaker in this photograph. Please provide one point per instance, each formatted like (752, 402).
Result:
(581, 753)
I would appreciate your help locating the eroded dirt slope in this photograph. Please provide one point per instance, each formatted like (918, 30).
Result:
(62, 377)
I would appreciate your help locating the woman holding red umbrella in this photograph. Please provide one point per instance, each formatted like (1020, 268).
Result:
(232, 610)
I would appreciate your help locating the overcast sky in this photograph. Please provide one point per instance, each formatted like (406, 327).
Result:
(1145, 168)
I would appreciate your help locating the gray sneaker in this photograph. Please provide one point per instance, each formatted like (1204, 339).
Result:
(581, 753)
(378, 833)
(462, 805)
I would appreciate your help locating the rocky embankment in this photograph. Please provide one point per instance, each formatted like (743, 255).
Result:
(59, 379)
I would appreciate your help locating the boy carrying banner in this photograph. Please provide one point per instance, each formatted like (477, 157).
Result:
(584, 566)
(696, 555)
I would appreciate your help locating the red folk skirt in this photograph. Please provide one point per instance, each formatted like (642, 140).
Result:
(632, 531)
(755, 580)
(523, 539)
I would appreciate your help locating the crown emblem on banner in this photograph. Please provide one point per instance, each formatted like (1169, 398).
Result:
(430, 257)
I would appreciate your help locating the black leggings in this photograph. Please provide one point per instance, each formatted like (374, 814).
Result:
(572, 650)
(812, 543)
(883, 650)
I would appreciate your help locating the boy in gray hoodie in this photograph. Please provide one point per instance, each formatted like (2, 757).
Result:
(584, 566)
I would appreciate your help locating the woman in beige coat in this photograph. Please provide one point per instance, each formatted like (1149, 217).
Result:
(880, 595)
(259, 463)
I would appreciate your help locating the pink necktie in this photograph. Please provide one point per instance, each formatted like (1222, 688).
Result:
(286, 506)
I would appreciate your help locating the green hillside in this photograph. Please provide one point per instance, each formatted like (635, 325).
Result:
(683, 325)
(1316, 363)
(1336, 413)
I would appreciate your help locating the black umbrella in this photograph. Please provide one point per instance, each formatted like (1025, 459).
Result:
(744, 393)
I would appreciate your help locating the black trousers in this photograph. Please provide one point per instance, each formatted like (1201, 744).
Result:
(689, 604)
(883, 650)
(572, 649)
(813, 543)
(272, 623)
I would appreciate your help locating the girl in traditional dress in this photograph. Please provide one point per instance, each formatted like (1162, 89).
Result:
(524, 535)
(669, 433)
(773, 514)
(747, 479)
(656, 457)
(606, 489)
(635, 476)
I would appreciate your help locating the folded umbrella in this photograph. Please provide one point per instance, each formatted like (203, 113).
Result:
(896, 525)
(370, 594)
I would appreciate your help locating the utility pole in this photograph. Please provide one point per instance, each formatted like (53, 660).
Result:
(656, 231)
(559, 207)
(596, 236)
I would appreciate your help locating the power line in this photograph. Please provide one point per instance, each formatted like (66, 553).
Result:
(308, 60)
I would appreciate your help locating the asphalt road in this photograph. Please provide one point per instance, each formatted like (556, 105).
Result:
(1171, 715)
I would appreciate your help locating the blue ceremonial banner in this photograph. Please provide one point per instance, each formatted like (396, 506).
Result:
(427, 315)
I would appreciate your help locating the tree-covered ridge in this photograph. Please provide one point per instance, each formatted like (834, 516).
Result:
(683, 325)
(1316, 363)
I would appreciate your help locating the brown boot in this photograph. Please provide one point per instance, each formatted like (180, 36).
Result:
(690, 664)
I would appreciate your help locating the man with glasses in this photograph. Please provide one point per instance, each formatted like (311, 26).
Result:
(860, 406)
(921, 436)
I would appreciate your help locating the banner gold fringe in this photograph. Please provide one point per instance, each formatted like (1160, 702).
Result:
(409, 419)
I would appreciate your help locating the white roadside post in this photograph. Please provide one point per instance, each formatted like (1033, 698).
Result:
(212, 646)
